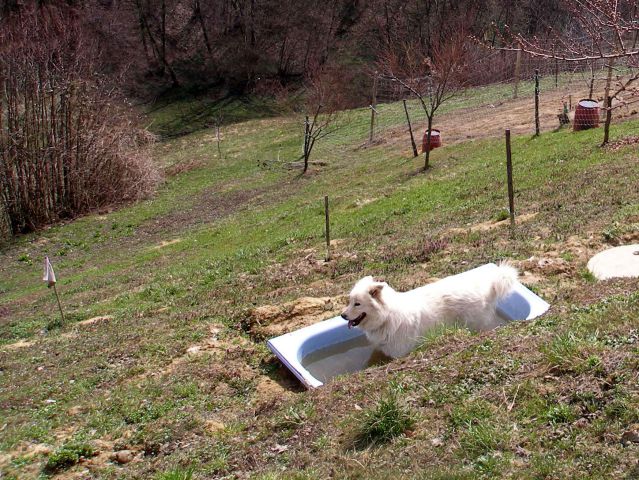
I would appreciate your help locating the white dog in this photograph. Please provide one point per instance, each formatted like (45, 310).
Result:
(395, 321)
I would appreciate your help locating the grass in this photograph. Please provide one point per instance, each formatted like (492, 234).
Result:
(67, 456)
(176, 474)
(387, 420)
(226, 234)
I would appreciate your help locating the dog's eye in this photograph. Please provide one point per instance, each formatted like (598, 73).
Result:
(357, 304)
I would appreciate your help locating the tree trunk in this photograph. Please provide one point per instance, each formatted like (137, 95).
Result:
(307, 151)
(608, 120)
(200, 18)
(427, 153)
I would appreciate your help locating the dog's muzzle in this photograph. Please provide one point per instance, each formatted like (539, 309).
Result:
(356, 321)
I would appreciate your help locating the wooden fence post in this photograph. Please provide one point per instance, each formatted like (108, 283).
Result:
(373, 105)
(410, 129)
(509, 174)
(217, 137)
(537, 102)
(328, 229)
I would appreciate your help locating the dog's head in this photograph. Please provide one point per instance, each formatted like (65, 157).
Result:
(364, 303)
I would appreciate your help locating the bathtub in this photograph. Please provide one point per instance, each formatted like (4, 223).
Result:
(321, 351)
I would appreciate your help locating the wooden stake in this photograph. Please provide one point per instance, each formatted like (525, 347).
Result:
(410, 129)
(373, 105)
(608, 100)
(536, 102)
(59, 304)
(217, 135)
(328, 229)
(570, 103)
(509, 173)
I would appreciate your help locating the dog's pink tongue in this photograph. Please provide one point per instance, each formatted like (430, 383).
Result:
(350, 324)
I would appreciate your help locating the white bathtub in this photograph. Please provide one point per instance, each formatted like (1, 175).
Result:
(294, 349)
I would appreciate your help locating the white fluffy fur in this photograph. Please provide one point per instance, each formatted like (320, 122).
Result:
(395, 321)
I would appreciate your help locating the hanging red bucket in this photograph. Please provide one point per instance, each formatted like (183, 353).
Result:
(435, 139)
(586, 115)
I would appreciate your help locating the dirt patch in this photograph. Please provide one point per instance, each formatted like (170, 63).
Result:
(212, 345)
(490, 120)
(364, 201)
(565, 259)
(624, 142)
(268, 389)
(17, 345)
(546, 265)
(213, 426)
(208, 206)
(273, 320)
(492, 225)
(166, 243)
(306, 263)
(416, 279)
(94, 320)
(183, 167)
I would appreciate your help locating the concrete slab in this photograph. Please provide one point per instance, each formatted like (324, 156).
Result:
(616, 262)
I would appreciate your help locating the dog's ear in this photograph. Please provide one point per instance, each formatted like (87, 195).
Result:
(376, 291)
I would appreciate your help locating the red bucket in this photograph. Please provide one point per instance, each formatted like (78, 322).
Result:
(435, 139)
(586, 115)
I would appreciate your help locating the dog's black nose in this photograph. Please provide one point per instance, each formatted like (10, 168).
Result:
(343, 315)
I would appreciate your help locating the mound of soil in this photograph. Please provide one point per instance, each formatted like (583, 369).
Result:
(273, 320)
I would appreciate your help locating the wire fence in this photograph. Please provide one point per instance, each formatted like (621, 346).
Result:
(486, 110)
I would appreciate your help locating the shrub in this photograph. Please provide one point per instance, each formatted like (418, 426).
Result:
(386, 421)
(176, 474)
(568, 352)
(67, 456)
(480, 438)
(68, 143)
(560, 413)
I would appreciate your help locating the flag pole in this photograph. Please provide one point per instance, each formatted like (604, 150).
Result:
(59, 304)
(49, 277)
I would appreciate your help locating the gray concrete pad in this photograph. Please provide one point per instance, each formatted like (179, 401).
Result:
(616, 262)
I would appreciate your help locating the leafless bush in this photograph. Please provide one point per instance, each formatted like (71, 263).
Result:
(68, 144)
(322, 104)
(432, 77)
(602, 31)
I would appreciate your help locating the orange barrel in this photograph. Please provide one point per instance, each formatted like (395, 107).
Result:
(435, 139)
(586, 114)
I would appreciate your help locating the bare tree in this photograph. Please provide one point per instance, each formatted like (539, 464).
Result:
(322, 105)
(433, 77)
(603, 30)
(68, 143)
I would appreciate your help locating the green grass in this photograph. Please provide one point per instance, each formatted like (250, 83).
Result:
(176, 474)
(245, 235)
(387, 420)
(67, 456)
(179, 115)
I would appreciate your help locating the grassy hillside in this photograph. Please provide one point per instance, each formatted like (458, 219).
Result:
(163, 356)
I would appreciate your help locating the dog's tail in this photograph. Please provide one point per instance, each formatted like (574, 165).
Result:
(503, 281)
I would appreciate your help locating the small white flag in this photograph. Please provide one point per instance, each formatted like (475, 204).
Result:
(49, 274)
